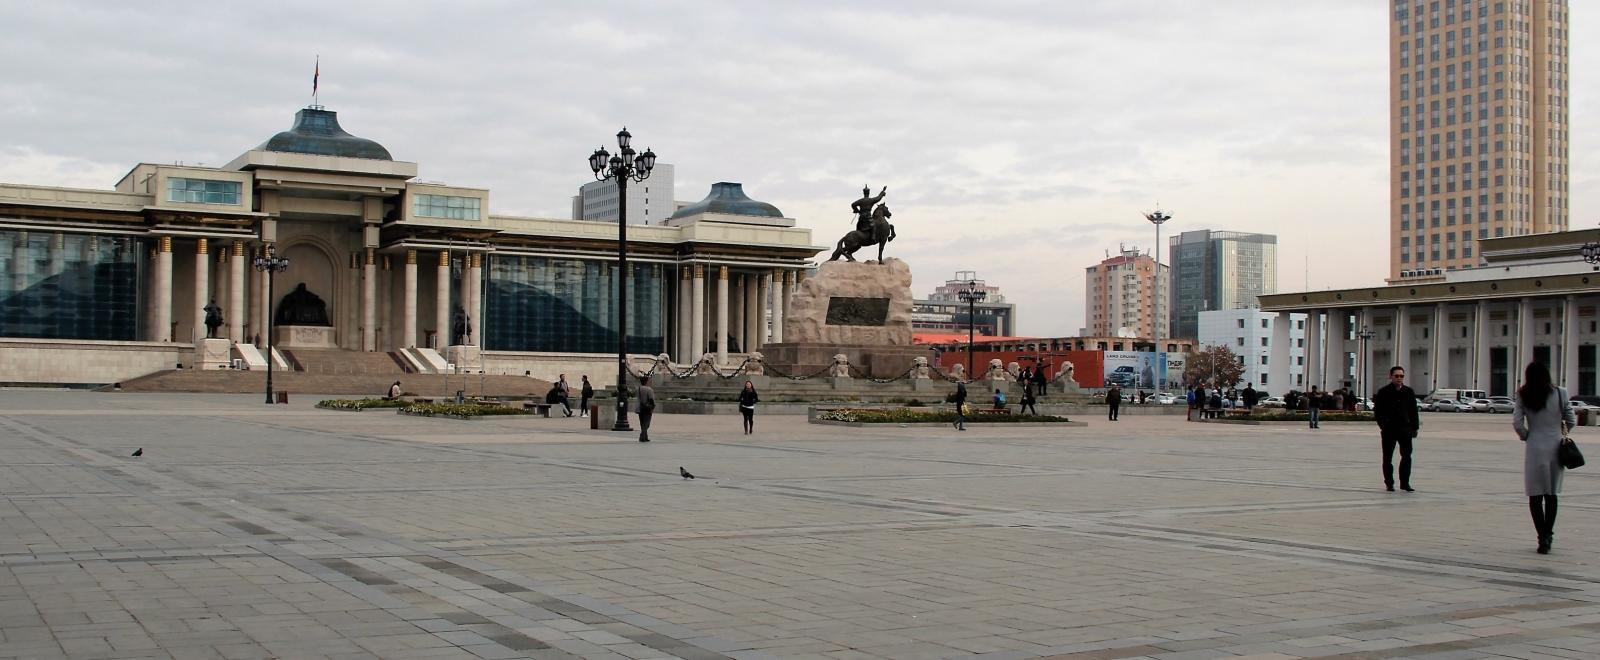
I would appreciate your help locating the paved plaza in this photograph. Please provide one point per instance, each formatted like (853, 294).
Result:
(248, 531)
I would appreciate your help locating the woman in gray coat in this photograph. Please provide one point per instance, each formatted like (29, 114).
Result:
(1541, 416)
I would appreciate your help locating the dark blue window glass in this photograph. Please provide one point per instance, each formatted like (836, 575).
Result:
(568, 306)
(66, 286)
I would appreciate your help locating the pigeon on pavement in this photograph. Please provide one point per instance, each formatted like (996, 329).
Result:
(684, 473)
(138, 452)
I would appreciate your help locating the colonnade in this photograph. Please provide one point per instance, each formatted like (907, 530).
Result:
(716, 303)
(1449, 345)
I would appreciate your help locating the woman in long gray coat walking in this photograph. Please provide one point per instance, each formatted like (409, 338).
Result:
(1541, 416)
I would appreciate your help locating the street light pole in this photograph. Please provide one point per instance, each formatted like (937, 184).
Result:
(1158, 218)
(971, 295)
(627, 164)
(1361, 364)
(269, 263)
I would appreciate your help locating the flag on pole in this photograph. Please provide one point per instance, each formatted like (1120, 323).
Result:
(316, 75)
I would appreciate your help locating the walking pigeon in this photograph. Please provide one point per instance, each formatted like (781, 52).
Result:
(684, 473)
(138, 452)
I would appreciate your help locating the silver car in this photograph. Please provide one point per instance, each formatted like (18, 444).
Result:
(1450, 405)
(1500, 404)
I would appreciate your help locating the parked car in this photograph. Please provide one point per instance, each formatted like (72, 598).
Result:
(1450, 405)
(1500, 404)
(1271, 402)
(1480, 405)
(1123, 376)
(1165, 399)
(1583, 405)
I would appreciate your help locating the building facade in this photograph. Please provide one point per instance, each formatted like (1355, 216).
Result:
(1479, 132)
(103, 285)
(1535, 299)
(649, 201)
(1255, 336)
(1120, 296)
(943, 311)
(1214, 270)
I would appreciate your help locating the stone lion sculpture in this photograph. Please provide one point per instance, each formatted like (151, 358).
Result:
(1014, 369)
(707, 366)
(663, 363)
(958, 371)
(841, 366)
(757, 366)
(997, 371)
(919, 368)
(1065, 375)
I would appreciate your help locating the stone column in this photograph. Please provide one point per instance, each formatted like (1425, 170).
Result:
(408, 322)
(369, 300)
(1280, 361)
(753, 314)
(58, 253)
(1439, 355)
(20, 266)
(1480, 347)
(1402, 344)
(236, 266)
(1313, 352)
(788, 291)
(1334, 372)
(441, 305)
(722, 315)
(1524, 341)
(736, 314)
(475, 296)
(161, 295)
(1569, 346)
(685, 312)
(697, 314)
(202, 286)
(780, 298)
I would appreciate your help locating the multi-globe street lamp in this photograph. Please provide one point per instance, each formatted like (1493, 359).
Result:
(269, 262)
(625, 166)
(1158, 218)
(971, 294)
(1365, 334)
(1591, 252)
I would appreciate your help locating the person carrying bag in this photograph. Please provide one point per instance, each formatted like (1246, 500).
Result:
(1541, 416)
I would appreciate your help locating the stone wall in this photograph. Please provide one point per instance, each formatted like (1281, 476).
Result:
(75, 362)
(599, 367)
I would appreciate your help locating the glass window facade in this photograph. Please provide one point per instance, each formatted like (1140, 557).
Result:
(66, 286)
(446, 206)
(569, 306)
(202, 191)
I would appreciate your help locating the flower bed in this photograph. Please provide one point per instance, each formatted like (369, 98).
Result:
(459, 410)
(359, 404)
(914, 416)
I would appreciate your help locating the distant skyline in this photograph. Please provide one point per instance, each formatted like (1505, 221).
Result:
(1020, 140)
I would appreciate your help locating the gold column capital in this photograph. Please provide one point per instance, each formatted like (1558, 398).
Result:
(201, 247)
(699, 271)
(688, 272)
(372, 257)
(238, 248)
(166, 244)
(444, 258)
(411, 257)
(475, 260)
(788, 277)
(722, 272)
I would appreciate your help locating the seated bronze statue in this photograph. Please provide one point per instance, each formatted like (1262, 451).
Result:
(301, 307)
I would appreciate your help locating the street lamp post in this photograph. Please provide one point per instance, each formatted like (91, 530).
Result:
(626, 165)
(1158, 218)
(1365, 334)
(971, 295)
(269, 263)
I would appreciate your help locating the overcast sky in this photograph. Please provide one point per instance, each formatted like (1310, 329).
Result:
(1020, 140)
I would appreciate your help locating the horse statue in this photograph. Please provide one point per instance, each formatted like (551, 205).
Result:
(879, 232)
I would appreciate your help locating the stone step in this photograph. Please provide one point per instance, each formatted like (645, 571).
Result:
(227, 381)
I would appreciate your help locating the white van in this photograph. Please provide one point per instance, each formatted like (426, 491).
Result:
(1464, 396)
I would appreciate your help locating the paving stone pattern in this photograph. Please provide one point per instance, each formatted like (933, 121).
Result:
(253, 531)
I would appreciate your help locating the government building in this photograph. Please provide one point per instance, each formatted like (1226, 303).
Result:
(98, 286)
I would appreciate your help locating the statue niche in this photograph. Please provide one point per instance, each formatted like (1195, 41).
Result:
(302, 307)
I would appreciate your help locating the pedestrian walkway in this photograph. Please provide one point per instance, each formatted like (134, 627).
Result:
(254, 531)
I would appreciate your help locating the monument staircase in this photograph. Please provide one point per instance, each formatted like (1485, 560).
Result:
(332, 371)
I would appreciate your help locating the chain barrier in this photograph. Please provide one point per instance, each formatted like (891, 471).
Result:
(882, 381)
(780, 372)
(941, 374)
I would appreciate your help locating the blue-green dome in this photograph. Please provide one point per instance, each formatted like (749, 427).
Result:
(316, 131)
(729, 198)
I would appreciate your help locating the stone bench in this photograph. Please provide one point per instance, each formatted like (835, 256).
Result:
(543, 409)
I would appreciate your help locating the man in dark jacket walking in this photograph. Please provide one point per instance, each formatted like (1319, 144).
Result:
(1249, 397)
(1113, 402)
(1395, 409)
(647, 408)
(961, 405)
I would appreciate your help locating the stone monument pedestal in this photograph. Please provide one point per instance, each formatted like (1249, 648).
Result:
(213, 354)
(876, 361)
(861, 309)
(304, 336)
(465, 357)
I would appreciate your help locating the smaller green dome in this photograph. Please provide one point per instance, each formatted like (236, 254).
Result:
(729, 198)
(316, 131)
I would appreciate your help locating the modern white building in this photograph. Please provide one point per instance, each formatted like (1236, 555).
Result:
(1257, 337)
(649, 201)
(1478, 328)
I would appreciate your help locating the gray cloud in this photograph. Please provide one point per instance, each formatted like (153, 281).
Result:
(1019, 139)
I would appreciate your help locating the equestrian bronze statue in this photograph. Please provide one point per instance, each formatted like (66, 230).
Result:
(872, 226)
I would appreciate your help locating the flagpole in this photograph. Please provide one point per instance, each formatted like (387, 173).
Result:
(316, 77)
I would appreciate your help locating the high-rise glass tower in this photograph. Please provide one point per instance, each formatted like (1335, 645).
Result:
(1213, 270)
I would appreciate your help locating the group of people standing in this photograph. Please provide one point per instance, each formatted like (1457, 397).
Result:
(561, 392)
(1541, 416)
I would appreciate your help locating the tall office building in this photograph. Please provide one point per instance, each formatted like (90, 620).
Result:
(1214, 270)
(1120, 299)
(649, 201)
(1479, 132)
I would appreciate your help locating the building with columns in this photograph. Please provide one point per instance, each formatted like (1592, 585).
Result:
(1534, 299)
(1253, 335)
(98, 286)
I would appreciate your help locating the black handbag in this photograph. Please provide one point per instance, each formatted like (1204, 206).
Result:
(1567, 452)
